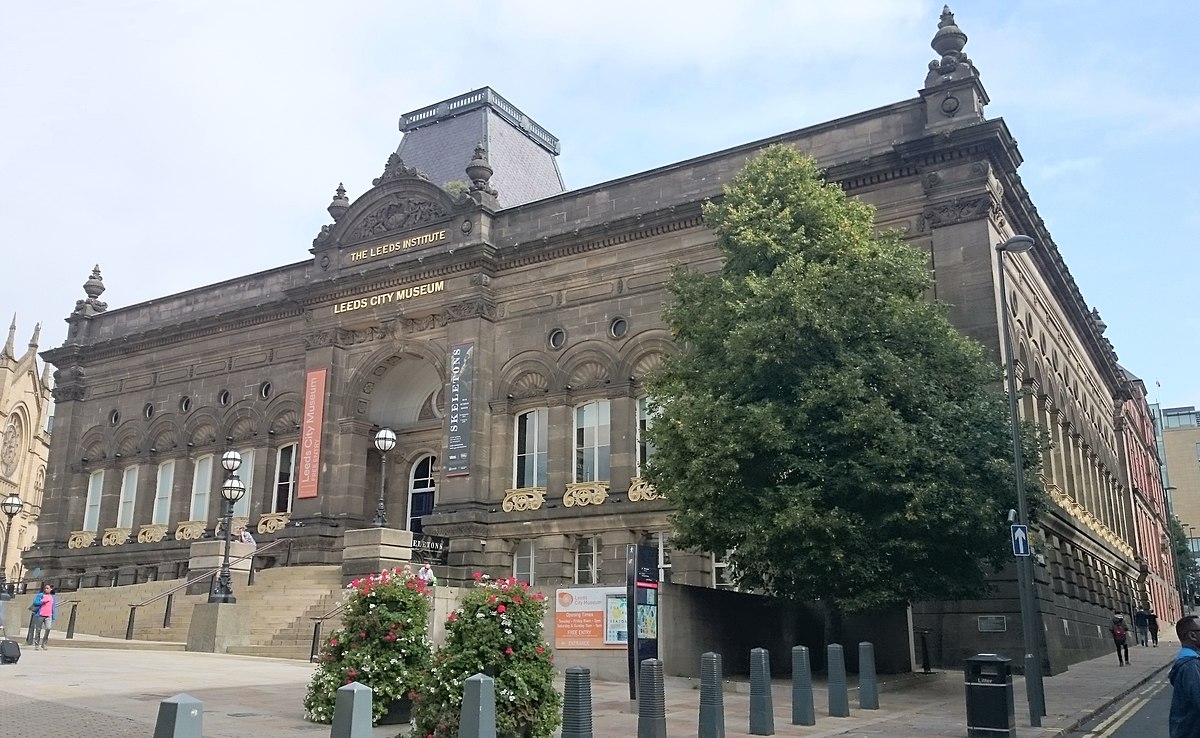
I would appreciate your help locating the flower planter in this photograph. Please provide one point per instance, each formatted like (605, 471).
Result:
(399, 712)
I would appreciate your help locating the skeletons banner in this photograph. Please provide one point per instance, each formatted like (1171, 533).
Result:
(458, 409)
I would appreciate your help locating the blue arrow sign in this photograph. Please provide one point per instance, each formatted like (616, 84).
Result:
(1020, 540)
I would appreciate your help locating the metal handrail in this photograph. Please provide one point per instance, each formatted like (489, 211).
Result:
(169, 595)
(315, 652)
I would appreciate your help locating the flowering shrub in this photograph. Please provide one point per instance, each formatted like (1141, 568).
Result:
(497, 631)
(383, 643)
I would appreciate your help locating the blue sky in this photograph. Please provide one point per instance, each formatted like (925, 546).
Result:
(178, 144)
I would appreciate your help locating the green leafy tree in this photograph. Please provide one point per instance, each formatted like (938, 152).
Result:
(824, 423)
(1188, 572)
(498, 632)
(383, 643)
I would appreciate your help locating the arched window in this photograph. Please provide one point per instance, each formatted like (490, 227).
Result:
(285, 479)
(11, 444)
(422, 487)
(201, 488)
(129, 480)
(91, 509)
(162, 493)
(645, 449)
(591, 441)
(529, 454)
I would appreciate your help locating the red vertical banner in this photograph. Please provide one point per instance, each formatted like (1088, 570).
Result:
(309, 467)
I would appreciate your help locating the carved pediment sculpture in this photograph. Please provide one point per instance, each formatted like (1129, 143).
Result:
(395, 212)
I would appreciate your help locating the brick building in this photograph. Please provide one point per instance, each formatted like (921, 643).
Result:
(502, 327)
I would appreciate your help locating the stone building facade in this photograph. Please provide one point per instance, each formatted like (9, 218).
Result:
(1148, 504)
(504, 334)
(25, 411)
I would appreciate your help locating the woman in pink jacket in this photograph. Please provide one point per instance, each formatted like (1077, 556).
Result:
(46, 614)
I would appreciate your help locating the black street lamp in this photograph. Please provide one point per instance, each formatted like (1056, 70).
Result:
(1029, 624)
(231, 491)
(11, 505)
(385, 440)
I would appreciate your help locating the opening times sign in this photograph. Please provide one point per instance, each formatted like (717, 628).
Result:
(458, 409)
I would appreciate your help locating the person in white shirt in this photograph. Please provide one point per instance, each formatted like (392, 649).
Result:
(426, 574)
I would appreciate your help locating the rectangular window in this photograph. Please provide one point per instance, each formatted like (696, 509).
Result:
(722, 573)
(662, 543)
(591, 442)
(529, 464)
(91, 511)
(523, 562)
(201, 488)
(645, 449)
(587, 561)
(245, 472)
(128, 497)
(162, 493)
(285, 479)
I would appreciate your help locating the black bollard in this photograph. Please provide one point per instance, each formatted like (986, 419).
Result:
(803, 711)
(868, 685)
(762, 715)
(926, 668)
(577, 703)
(839, 698)
(71, 621)
(712, 697)
(34, 624)
(652, 701)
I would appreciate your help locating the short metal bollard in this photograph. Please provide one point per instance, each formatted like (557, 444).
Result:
(712, 697)
(839, 697)
(762, 713)
(577, 703)
(181, 716)
(352, 712)
(652, 701)
(478, 708)
(803, 710)
(989, 691)
(868, 685)
(71, 621)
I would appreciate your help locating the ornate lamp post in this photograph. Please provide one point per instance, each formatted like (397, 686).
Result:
(385, 440)
(10, 505)
(1029, 623)
(231, 491)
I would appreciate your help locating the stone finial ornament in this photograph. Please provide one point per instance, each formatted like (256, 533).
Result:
(10, 344)
(340, 203)
(93, 288)
(394, 169)
(949, 42)
(480, 171)
(37, 334)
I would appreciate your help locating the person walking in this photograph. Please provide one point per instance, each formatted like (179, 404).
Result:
(1120, 636)
(1141, 621)
(1153, 620)
(46, 614)
(1185, 681)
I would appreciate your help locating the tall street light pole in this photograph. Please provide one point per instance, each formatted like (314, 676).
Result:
(231, 491)
(1030, 624)
(385, 440)
(11, 505)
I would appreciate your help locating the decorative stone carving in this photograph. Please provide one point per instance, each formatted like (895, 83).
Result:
(526, 498)
(640, 490)
(394, 169)
(428, 323)
(396, 212)
(151, 533)
(343, 337)
(81, 539)
(1085, 516)
(238, 524)
(116, 536)
(477, 308)
(949, 42)
(581, 494)
(958, 211)
(323, 235)
(190, 530)
(273, 522)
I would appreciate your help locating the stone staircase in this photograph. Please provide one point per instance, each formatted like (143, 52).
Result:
(282, 601)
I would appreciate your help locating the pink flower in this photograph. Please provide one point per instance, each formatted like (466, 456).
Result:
(540, 649)
(508, 651)
(333, 641)
(477, 575)
(452, 618)
(500, 608)
(362, 634)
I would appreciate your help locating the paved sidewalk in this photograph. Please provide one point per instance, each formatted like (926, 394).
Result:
(70, 691)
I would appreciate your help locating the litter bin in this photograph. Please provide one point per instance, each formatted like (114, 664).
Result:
(989, 697)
